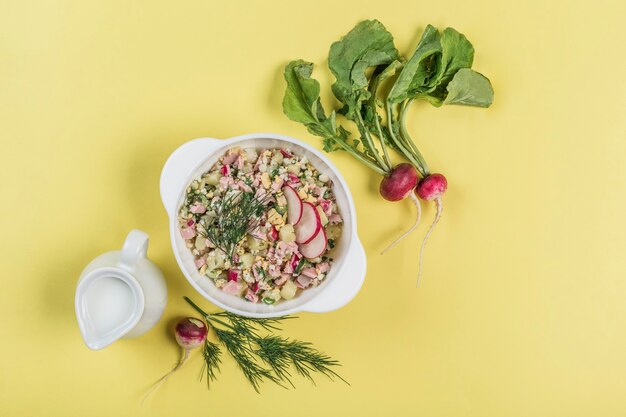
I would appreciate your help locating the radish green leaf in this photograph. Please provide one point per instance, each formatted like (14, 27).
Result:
(469, 88)
(369, 44)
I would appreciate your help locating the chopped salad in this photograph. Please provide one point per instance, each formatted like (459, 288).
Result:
(285, 247)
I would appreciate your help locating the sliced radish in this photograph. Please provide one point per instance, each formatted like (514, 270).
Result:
(316, 246)
(309, 224)
(294, 205)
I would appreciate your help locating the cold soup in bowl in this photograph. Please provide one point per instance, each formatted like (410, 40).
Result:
(261, 224)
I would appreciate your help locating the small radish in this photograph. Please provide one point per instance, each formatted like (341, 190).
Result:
(190, 334)
(309, 224)
(294, 205)
(433, 187)
(316, 246)
(399, 184)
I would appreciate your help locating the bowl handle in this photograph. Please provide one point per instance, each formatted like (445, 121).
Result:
(178, 167)
(346, 285)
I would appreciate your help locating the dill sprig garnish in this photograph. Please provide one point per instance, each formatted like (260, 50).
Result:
(237, 214)
(240, 349)
(262, 357)
(280, 352)
(211, 354)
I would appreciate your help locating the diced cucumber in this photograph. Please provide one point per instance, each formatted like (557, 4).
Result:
(287, 233)
(247, 259)
(215, 261)
(333, 231)
(213, 274)
(213, 178)
(289, 290)
(256, 244)
(200, 243)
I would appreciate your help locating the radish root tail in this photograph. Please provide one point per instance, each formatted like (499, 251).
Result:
(408, 232)
(164, 378)
(439, 204)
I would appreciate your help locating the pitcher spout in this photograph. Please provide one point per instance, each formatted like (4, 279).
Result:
(109, 304)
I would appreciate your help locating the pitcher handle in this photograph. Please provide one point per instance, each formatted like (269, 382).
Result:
(135, 247)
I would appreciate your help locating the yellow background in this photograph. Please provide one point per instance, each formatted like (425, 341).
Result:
(521, 310)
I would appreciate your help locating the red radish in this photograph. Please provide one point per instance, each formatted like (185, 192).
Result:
(232, 275)
(399, 184)
(294, 205)
(293, 179)
(190, 334)
(433, 187)
(316, 246)
(272, 234)
(294, 261)
(326, 205)
(309, 224)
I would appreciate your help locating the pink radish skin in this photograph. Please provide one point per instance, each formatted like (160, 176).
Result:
(400, 182)
(316, 246)
(309, 225)
(398, 186)
(431, 188)
(190, 334)
(294, 205)
(272, 234)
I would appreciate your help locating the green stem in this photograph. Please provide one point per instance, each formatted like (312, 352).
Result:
(195, 306)
(410, 144)
(398, 143)
(382, 141)
(359, 155)
(405, 134)
(367, 139)
(223, 323)
(377, 122)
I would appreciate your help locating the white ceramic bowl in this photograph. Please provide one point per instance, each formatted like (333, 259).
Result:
(347, 273)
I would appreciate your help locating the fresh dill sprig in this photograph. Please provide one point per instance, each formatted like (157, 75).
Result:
(262, 357)
(211, 354)
(280, 352)
(239, 348)
(236, 215)
(269, 323)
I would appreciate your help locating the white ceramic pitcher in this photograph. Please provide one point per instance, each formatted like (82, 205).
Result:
(120, 294)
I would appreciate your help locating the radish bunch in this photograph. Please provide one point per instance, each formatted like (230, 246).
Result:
(439, 71)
